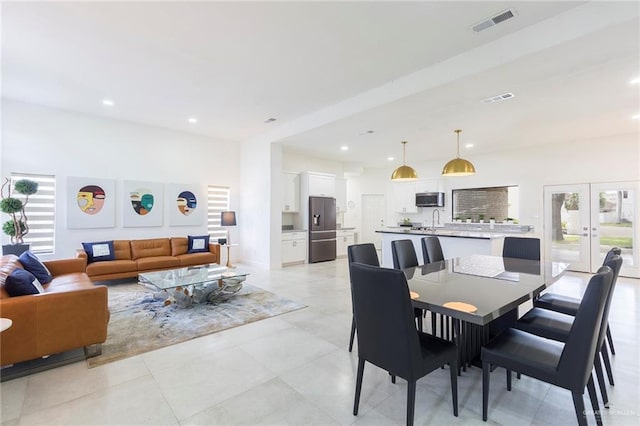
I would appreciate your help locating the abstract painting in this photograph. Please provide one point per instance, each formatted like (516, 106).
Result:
(187, 207)
(90, 203)
(142, 203)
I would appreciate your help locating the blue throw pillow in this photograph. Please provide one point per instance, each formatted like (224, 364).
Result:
(21, 282)
(31, 263)
(97, 252)
(198, 244)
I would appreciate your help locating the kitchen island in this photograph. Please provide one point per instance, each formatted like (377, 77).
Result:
(454, 243)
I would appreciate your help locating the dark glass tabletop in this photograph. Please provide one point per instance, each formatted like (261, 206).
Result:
(492, 284)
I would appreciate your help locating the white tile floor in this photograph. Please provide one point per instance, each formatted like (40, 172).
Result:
(295, 369)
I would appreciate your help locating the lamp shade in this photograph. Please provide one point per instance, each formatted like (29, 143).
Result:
(404, 172)
(228, 219)
(458, 166)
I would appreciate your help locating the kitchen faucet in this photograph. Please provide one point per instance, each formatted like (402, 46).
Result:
(433, 219)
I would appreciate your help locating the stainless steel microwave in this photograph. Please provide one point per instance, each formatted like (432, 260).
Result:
(430, 199)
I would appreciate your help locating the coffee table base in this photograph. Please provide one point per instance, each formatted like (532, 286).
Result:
(185, 295)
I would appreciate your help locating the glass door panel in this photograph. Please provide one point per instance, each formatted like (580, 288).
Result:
(567, 235)
(613, 224)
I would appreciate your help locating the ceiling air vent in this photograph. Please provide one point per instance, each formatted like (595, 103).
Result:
(501, 17)
(498, 98)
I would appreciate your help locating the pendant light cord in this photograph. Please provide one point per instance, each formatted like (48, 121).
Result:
(458, 144)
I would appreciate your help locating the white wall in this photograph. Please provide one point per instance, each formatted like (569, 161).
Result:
(42, 140)
(596, 160)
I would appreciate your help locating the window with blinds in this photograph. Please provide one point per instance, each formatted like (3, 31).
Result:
(218, 202)
(40, 211)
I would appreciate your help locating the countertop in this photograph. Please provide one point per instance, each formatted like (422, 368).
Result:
(284, 231)
(446, 233)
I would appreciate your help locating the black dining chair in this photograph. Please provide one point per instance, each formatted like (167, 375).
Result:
(569, 305)
(387, 337)
(404, 256)
(566, 365)
(557, 326)
(361, 253)
(521, 248)
(432, 252)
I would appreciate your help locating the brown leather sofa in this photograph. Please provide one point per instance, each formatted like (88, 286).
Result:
(71, 313)
(133, 256)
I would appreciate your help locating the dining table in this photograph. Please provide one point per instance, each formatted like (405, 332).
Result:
(480, 293)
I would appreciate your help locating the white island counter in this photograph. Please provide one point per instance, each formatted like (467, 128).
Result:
(454, 243)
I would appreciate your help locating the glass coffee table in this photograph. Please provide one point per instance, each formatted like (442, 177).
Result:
(194, 284)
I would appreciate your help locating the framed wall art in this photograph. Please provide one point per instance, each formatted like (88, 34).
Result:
(142, 203)
(186, 205)
(91, 203)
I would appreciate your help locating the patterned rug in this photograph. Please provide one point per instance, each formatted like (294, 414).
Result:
(141, 323)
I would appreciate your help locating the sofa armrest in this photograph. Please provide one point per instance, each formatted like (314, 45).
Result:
(66, 266)
(215, 249)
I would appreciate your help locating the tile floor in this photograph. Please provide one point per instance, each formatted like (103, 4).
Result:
(295, 369)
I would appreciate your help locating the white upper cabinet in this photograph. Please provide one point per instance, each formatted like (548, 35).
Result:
(429, 185)
(404, 197)
(341, 194)
(290, 192)
(319, 184)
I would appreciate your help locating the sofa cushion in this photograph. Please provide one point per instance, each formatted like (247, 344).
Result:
(122, 249)
(150, 248)
(21, 282)
(113, 267)
(31, 263)
(196, 259)
(74, 278)
(8, 264)
(198, 244)
(179, 245)
(157, 262)
(99, 251)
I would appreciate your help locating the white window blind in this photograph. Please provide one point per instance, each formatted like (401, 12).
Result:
(218, 202)
(40, 211)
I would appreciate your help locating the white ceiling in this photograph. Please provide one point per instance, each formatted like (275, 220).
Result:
(331, 71)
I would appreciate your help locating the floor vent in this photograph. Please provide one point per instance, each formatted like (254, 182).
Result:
(495, 20)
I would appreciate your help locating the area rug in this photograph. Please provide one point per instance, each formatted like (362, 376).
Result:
(140, 322)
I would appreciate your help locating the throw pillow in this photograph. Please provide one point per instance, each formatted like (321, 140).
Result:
(31, 263)
(100, 251)
(199, 244)
(21, 282)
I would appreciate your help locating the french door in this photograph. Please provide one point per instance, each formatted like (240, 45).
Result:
(583, 221)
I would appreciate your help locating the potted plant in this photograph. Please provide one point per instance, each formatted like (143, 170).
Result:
(481, 218)
(16, 227)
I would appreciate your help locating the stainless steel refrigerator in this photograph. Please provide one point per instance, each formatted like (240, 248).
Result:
(322, 229)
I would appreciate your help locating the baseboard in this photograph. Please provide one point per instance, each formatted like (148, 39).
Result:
(33, 366)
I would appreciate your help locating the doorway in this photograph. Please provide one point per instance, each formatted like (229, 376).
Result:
(583, 221)
(373, 213)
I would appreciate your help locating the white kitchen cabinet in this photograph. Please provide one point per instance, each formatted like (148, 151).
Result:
(290, 192)
(404, 197)
(429, 185)
(341, 195)
(344, 239)
(294, 247)
(319, 184)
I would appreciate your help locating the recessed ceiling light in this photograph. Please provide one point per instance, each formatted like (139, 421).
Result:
(108, 102)
(469, 145)
(192, 120)
(270, 120)
(344, 148)
(635, 81)
(635, 117)
(390, 158)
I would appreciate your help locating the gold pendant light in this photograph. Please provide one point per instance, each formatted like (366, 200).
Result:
(458, 166)
(404, 172)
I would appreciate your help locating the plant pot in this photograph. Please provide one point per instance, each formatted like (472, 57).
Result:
(16, 249)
